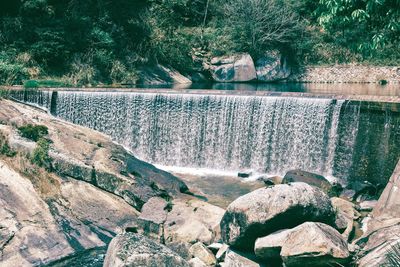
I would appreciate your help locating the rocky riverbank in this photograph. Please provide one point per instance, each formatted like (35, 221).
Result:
(91, 192)
(292, 224)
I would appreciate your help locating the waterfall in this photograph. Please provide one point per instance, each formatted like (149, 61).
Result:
(266, 134)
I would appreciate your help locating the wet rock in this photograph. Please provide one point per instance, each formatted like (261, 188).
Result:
(267, 210)
(272, 67)
(314, 244)
(131, 249)
(199, 250)
(308, 178)
(244, 174)
(237, 259)
(237, 68)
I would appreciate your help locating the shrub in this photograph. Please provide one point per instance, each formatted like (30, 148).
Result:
(31, 84)
(120, 75)
(33, 132)
(5, 148)
(40, 155)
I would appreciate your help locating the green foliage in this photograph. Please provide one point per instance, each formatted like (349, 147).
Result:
(86, 43)
(40, 155)
(33, 132)
(31, 84)
(259, 25)
(5, 148)
(368, 24)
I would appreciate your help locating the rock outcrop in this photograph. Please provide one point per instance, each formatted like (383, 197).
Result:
(272, 67)
(383, 229)
(161, 75)
(267, 210)
(130, 249)
(236, 68)
(87, 155)
(92, 192)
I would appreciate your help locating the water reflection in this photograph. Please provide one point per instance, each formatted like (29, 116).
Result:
(318, 88)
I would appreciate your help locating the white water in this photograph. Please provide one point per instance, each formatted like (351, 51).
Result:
(226, 133)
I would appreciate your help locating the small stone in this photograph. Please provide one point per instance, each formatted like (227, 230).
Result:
(234, 259)
(196, 262)
(222, 252)
(368, 205)
(200, 251)
(214, 247)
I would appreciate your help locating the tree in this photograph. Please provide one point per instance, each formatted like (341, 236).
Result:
(258, 25)
(377, 21)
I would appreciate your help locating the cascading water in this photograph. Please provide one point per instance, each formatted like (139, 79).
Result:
(267, 134)
(347, 140)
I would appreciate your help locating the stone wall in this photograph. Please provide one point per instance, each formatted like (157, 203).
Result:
(346, 74)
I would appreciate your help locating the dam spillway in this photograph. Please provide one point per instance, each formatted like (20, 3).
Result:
(270, 135)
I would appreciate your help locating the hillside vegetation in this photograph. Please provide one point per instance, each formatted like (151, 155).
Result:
(71, 42)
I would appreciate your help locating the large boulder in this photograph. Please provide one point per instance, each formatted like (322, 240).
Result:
(314, 244)
(236, 68)
(383, 229)
(130, 249)
(308, 178)
(192, 220)
(272, 67)
(309, 244)
(267, 210)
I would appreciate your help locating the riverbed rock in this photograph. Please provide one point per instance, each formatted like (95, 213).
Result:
(220, 256)
(199, 250)
(236, 68)
(192, 220)
(267, 210)
(269, 247)
(152, 218)
(196, 262)
(383, 228)
(238, 259)
(308, 178)
(272, 67)
(314, 244)
(130, 249)
(368, 205)
(346, 214)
